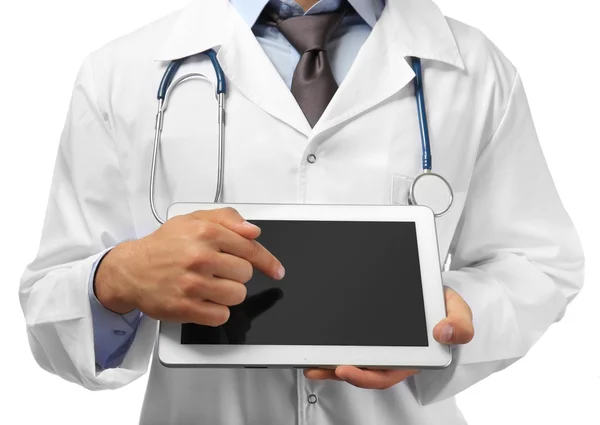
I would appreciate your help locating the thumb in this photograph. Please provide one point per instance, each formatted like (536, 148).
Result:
(457, 327)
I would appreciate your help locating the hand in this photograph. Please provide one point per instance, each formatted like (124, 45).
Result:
(456, 328)
(190, 270)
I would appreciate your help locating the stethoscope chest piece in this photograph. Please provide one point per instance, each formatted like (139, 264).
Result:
(433, 191)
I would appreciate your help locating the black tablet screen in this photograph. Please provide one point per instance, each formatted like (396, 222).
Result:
(346, 283)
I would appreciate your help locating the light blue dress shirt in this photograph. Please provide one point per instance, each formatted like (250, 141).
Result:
(114, 333)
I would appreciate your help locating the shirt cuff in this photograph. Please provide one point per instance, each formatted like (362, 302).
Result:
(113, 332)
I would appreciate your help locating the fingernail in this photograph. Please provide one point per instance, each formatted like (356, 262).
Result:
(280, 272)
(447, 332)
(249, 225)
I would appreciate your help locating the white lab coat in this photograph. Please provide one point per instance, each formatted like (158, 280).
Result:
(517, 259)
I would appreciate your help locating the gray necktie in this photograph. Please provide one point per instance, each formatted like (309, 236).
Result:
(313, 84)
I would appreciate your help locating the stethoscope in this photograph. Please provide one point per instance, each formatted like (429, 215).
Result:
(428, 188)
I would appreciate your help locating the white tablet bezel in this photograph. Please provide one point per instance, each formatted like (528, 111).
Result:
(172, 353)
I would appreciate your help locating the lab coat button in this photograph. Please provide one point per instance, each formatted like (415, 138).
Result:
(312, 399)
(311, 158)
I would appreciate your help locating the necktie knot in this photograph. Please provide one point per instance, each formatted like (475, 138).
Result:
(311, 32)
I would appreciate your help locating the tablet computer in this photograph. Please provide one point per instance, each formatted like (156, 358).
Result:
(362, 287)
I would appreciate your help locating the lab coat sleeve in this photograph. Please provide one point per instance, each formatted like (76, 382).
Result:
(88, 212)
(517, 259)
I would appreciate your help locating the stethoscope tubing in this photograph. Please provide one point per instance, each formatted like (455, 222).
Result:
(425, 142)
(422, 114)
(166, 87)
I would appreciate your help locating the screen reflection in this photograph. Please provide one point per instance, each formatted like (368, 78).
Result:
(240, 321)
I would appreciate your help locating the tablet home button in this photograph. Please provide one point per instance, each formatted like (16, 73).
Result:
(312, 399)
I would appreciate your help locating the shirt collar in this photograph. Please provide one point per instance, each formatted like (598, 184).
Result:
(421, 29)
(369, 10)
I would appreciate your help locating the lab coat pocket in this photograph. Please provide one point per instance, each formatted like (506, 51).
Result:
(400, 189)
(445, 225)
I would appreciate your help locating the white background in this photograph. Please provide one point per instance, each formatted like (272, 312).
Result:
(554, 44)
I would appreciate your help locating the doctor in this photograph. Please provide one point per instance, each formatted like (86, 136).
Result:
(105, 270)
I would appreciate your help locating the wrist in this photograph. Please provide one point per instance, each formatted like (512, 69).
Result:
(111, 285)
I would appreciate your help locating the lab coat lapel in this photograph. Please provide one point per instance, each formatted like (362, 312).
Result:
(379, 71)
(249, 69)
(206, 24)
(197, 28)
